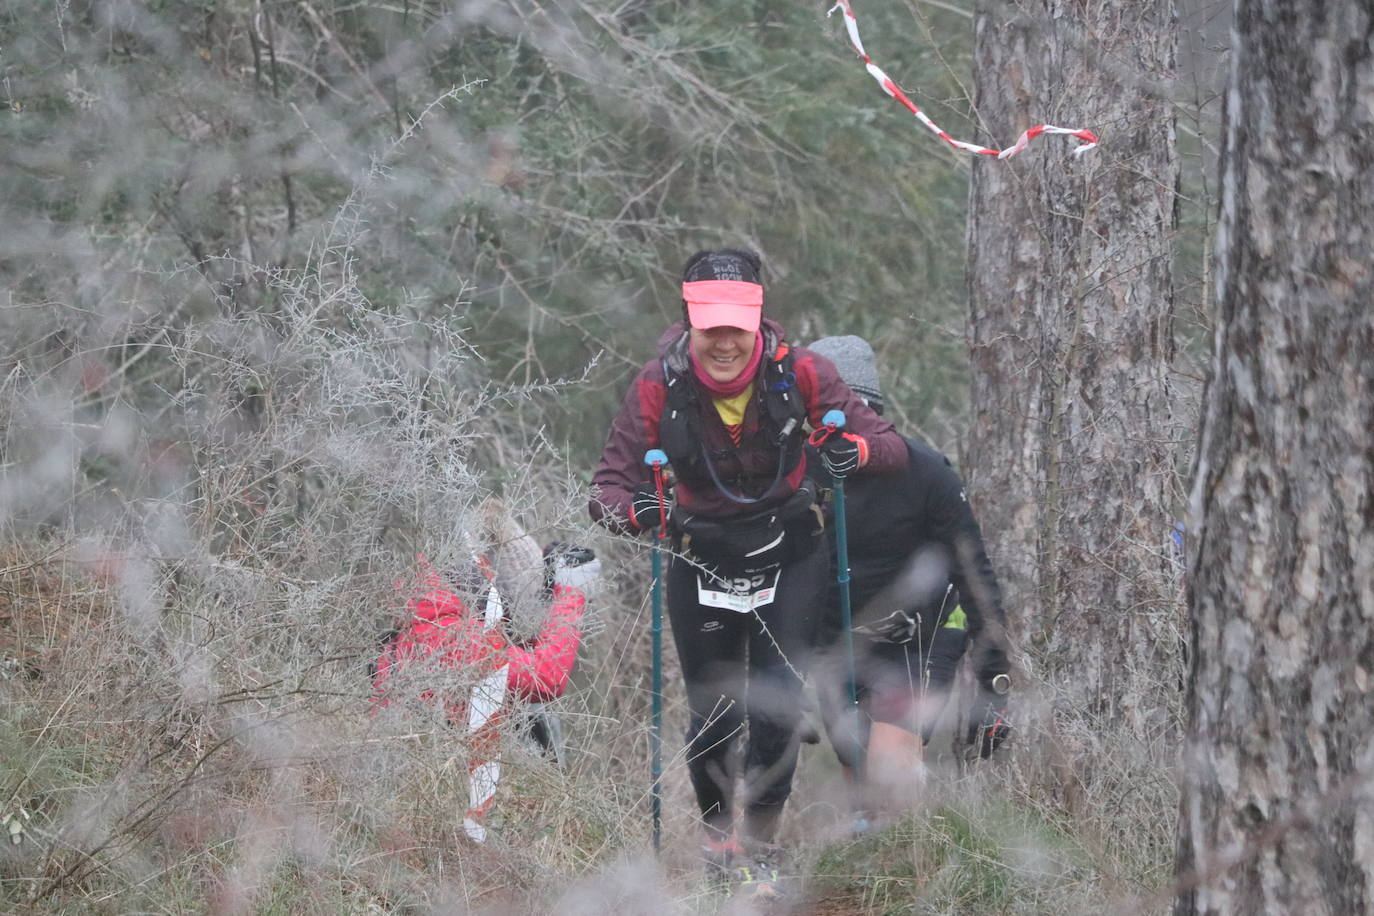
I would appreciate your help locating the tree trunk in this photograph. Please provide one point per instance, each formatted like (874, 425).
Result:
(1071, 456)
(1276, 815)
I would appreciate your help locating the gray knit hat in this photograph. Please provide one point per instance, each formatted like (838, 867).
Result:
(857, 364)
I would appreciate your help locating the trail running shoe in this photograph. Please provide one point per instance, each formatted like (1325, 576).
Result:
(760, 878)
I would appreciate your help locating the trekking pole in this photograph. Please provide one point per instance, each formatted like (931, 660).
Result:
(834, 421)
(658, 460)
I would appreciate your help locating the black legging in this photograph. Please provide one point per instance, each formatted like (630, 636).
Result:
(742, 667)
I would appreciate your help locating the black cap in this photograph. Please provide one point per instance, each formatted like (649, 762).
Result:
(723, 264)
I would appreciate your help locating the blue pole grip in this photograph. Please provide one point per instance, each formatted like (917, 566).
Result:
(834, 418)
(658, 456)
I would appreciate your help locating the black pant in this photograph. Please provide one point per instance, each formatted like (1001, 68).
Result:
(745, 668)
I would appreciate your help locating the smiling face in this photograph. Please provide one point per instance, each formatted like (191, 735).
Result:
(723, 352)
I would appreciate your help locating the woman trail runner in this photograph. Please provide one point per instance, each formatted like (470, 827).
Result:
(726, 399)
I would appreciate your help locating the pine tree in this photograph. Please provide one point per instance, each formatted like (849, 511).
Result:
(1276, 814)
(1071, 455)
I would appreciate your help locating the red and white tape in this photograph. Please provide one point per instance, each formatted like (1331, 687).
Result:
(486, 709)
(851, 24)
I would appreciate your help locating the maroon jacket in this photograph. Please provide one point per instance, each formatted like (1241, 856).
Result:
(635, 430)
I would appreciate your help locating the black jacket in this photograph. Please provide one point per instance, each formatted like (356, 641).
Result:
(911, 535)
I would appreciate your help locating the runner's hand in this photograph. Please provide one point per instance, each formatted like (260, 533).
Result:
(647, 512)
(574, 567)
(843, 453)
(989, 726)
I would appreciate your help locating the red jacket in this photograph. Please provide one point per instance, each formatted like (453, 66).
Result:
(635, 430)
(442, 631)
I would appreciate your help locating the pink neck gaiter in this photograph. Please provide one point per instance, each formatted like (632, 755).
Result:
(738, 383)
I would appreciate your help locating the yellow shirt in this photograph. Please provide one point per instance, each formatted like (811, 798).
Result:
(731, 411)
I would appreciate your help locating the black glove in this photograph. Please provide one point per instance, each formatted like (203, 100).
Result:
(989, 726)
(647, 512)
(843, 454)
(566, 564)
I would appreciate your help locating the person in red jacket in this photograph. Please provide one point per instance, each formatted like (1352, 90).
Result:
(728, 400)
(460, 657)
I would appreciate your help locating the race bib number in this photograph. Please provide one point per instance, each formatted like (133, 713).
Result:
(740, 594)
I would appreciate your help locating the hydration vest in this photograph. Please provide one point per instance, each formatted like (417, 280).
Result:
(783, 414)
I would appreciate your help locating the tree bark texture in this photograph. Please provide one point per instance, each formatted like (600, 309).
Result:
(1276, 815)
(1072, 452)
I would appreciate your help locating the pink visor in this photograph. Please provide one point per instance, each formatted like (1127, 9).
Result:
(724, 303)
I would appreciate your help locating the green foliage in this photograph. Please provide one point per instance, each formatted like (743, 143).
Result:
(552, 203)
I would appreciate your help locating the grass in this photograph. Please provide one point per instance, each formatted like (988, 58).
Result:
(299, 801)
(971, 856)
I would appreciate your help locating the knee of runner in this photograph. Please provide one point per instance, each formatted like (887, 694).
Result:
(890, 705)
(772, 797)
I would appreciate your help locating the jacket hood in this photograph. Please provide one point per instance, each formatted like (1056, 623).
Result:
(670, 336)
(433, 599)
